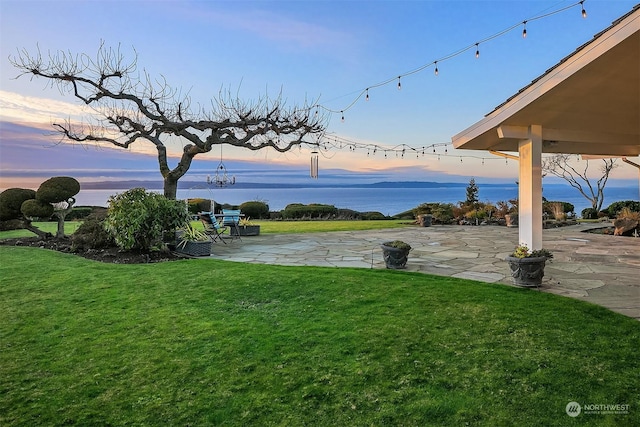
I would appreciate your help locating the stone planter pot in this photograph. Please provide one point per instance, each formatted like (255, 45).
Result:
(193, 248)
(395, 258)
(527, 272)
(511, 220)
(246, 230)
(425, 220)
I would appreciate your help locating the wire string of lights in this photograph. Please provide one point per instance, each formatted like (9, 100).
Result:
(439, 149)
(476, 45)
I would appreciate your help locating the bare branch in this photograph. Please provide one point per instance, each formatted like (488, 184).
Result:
(560, 166)
(135, 107)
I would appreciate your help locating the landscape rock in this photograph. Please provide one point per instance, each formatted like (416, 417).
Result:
(624, 226)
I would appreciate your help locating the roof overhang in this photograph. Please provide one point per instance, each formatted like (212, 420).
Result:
(589, 103)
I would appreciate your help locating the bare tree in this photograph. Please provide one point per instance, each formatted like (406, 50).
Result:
(559, 165)
(134, 107)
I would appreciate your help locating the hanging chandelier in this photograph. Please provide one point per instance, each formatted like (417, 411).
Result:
(221, 177)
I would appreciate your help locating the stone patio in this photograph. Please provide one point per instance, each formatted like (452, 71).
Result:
(600, 269)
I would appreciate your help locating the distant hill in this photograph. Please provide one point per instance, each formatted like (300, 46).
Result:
(157, 185)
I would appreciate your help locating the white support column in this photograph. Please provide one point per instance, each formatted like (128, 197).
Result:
(530, 189)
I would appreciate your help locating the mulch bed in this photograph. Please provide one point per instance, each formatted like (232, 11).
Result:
(109, 255)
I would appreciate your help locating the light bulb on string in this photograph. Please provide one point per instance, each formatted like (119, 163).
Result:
(399, 84)
(584, 12)
(436, 70)
(524, 31)
(483, 160)
(477, 50)
(342, 112)
(445, 151)
(366, 98)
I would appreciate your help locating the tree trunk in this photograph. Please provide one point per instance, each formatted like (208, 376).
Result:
(170, 187)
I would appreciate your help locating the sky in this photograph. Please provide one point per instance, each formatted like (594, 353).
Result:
(324, 52)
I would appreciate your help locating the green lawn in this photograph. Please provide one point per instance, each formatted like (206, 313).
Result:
(266, 227)
(207, 342)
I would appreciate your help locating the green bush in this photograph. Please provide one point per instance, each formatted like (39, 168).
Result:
(255, 209)
(614, 208)
(11, 201)
(79, 213)
(92, 233)
(371, 216)
(566, 207)
(313, 210)
(589, 213)
(199, 205)
(35, 208)
(58, 189)
(442, 212)
(137, 219)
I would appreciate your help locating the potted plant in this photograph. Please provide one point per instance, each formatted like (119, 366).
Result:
(193, 242)
(527, 266)
(395, 254)
(423, 215)
(246, 228)
(511, 215)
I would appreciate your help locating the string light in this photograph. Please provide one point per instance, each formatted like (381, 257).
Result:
(456, 53)
(399, 84)
(342, 112)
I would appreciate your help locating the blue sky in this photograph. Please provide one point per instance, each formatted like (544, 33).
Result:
(309, 50)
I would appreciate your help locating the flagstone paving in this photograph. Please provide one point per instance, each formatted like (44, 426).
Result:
(601, 269)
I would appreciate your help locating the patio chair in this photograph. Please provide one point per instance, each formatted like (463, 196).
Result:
(212, 227)
(231, 219)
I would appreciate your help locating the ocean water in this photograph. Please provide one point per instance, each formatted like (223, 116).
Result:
(388, 201)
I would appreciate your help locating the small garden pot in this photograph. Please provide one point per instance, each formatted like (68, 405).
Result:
(425, 220)
(511, 220)
(527, 272)
(395, 258)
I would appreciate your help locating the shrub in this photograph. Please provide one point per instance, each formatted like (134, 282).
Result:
(58, 189)
(589, 213)
(255, 209)
(35, 208)
(92, 233)
(370, 216)
(11, 201)
(198, 205)
(442, 212)
(137, 219)
(616, 207)
(79, 213)
(557, 208)
(626, 213)
(314, 210)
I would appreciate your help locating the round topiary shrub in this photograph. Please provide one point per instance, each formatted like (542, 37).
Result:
(35, 208)
(255, 209)
(11, 201)
(58, 189)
